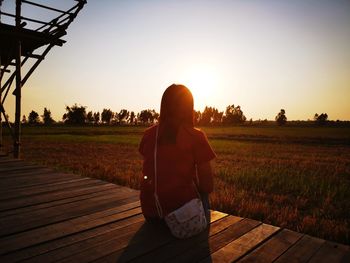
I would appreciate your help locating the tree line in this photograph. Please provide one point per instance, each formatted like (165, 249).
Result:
(78, 115)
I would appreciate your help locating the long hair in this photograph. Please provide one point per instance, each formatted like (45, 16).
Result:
(176, 110)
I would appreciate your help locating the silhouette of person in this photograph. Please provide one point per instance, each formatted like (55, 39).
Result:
(183, 158)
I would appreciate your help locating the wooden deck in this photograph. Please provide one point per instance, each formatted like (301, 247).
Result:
(48, 216)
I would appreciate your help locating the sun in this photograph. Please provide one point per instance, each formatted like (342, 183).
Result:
(202, 80)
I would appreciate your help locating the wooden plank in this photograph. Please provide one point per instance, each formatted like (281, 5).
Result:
(54, 231)
(241, 246)
(24, 174)
(44, 211)
(50, 187)
(45, 198)
(14, 165)
(331, 252)
(34, 183)
(27, 174)
(8, 161)
(21, 173)
(52, 215)
(216, 215)
(69, 184)
(56, 209)
(216, 242)
(302, 251)
(36, 175)
(145, 240)
(22, 194)
(273, 248)
(53, 245)
(21, 167)
(68, 253)
(73, 199)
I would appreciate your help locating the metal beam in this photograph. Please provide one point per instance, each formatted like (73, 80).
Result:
(4, 70)
(44, 6)
(36, 64)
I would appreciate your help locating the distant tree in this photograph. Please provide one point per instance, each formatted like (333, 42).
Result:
(234, 115)
(132, 117)
(75, 115)
(96, 117)
(155, 116)
(145, 116)
(210, 115)
(217, 116)
(106, 116)
(321, 119)
(90, 117)
(138, 120)
(281, 118)
(206, 116)
(24, 119)
(197, 115)
(47, 119)
(123, 115)
(33, 118)
(148, 116)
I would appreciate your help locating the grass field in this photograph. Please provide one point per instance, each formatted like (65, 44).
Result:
(294, 177)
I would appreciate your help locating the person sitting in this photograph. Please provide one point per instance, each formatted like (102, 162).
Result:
(184, 156)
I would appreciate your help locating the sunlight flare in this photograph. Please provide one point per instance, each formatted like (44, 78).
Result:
(203, 82)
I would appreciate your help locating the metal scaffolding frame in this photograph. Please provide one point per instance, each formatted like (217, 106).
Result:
(17, 46)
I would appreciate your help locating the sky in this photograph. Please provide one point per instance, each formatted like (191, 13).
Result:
(263, 55)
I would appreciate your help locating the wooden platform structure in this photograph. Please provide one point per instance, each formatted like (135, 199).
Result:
(49, 216)
(25, 42)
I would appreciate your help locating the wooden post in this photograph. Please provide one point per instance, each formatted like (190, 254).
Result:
(16, 145)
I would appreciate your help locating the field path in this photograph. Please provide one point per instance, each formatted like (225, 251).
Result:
(48, 216)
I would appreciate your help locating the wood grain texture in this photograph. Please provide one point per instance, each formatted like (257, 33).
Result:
(302, 250)
(331, 252)
(273, 248)
(243, 245)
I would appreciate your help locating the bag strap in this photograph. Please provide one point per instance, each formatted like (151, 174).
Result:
(158, 206)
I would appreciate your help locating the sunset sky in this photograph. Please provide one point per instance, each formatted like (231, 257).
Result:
(263, 55)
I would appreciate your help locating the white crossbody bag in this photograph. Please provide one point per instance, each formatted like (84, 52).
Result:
(186, 221)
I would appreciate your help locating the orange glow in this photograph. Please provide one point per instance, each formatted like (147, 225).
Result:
(203, 81)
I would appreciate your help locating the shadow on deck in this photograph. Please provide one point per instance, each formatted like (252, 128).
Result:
(48, 216)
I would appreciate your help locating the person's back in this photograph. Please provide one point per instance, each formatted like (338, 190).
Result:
(182, 158)
(176, 170)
